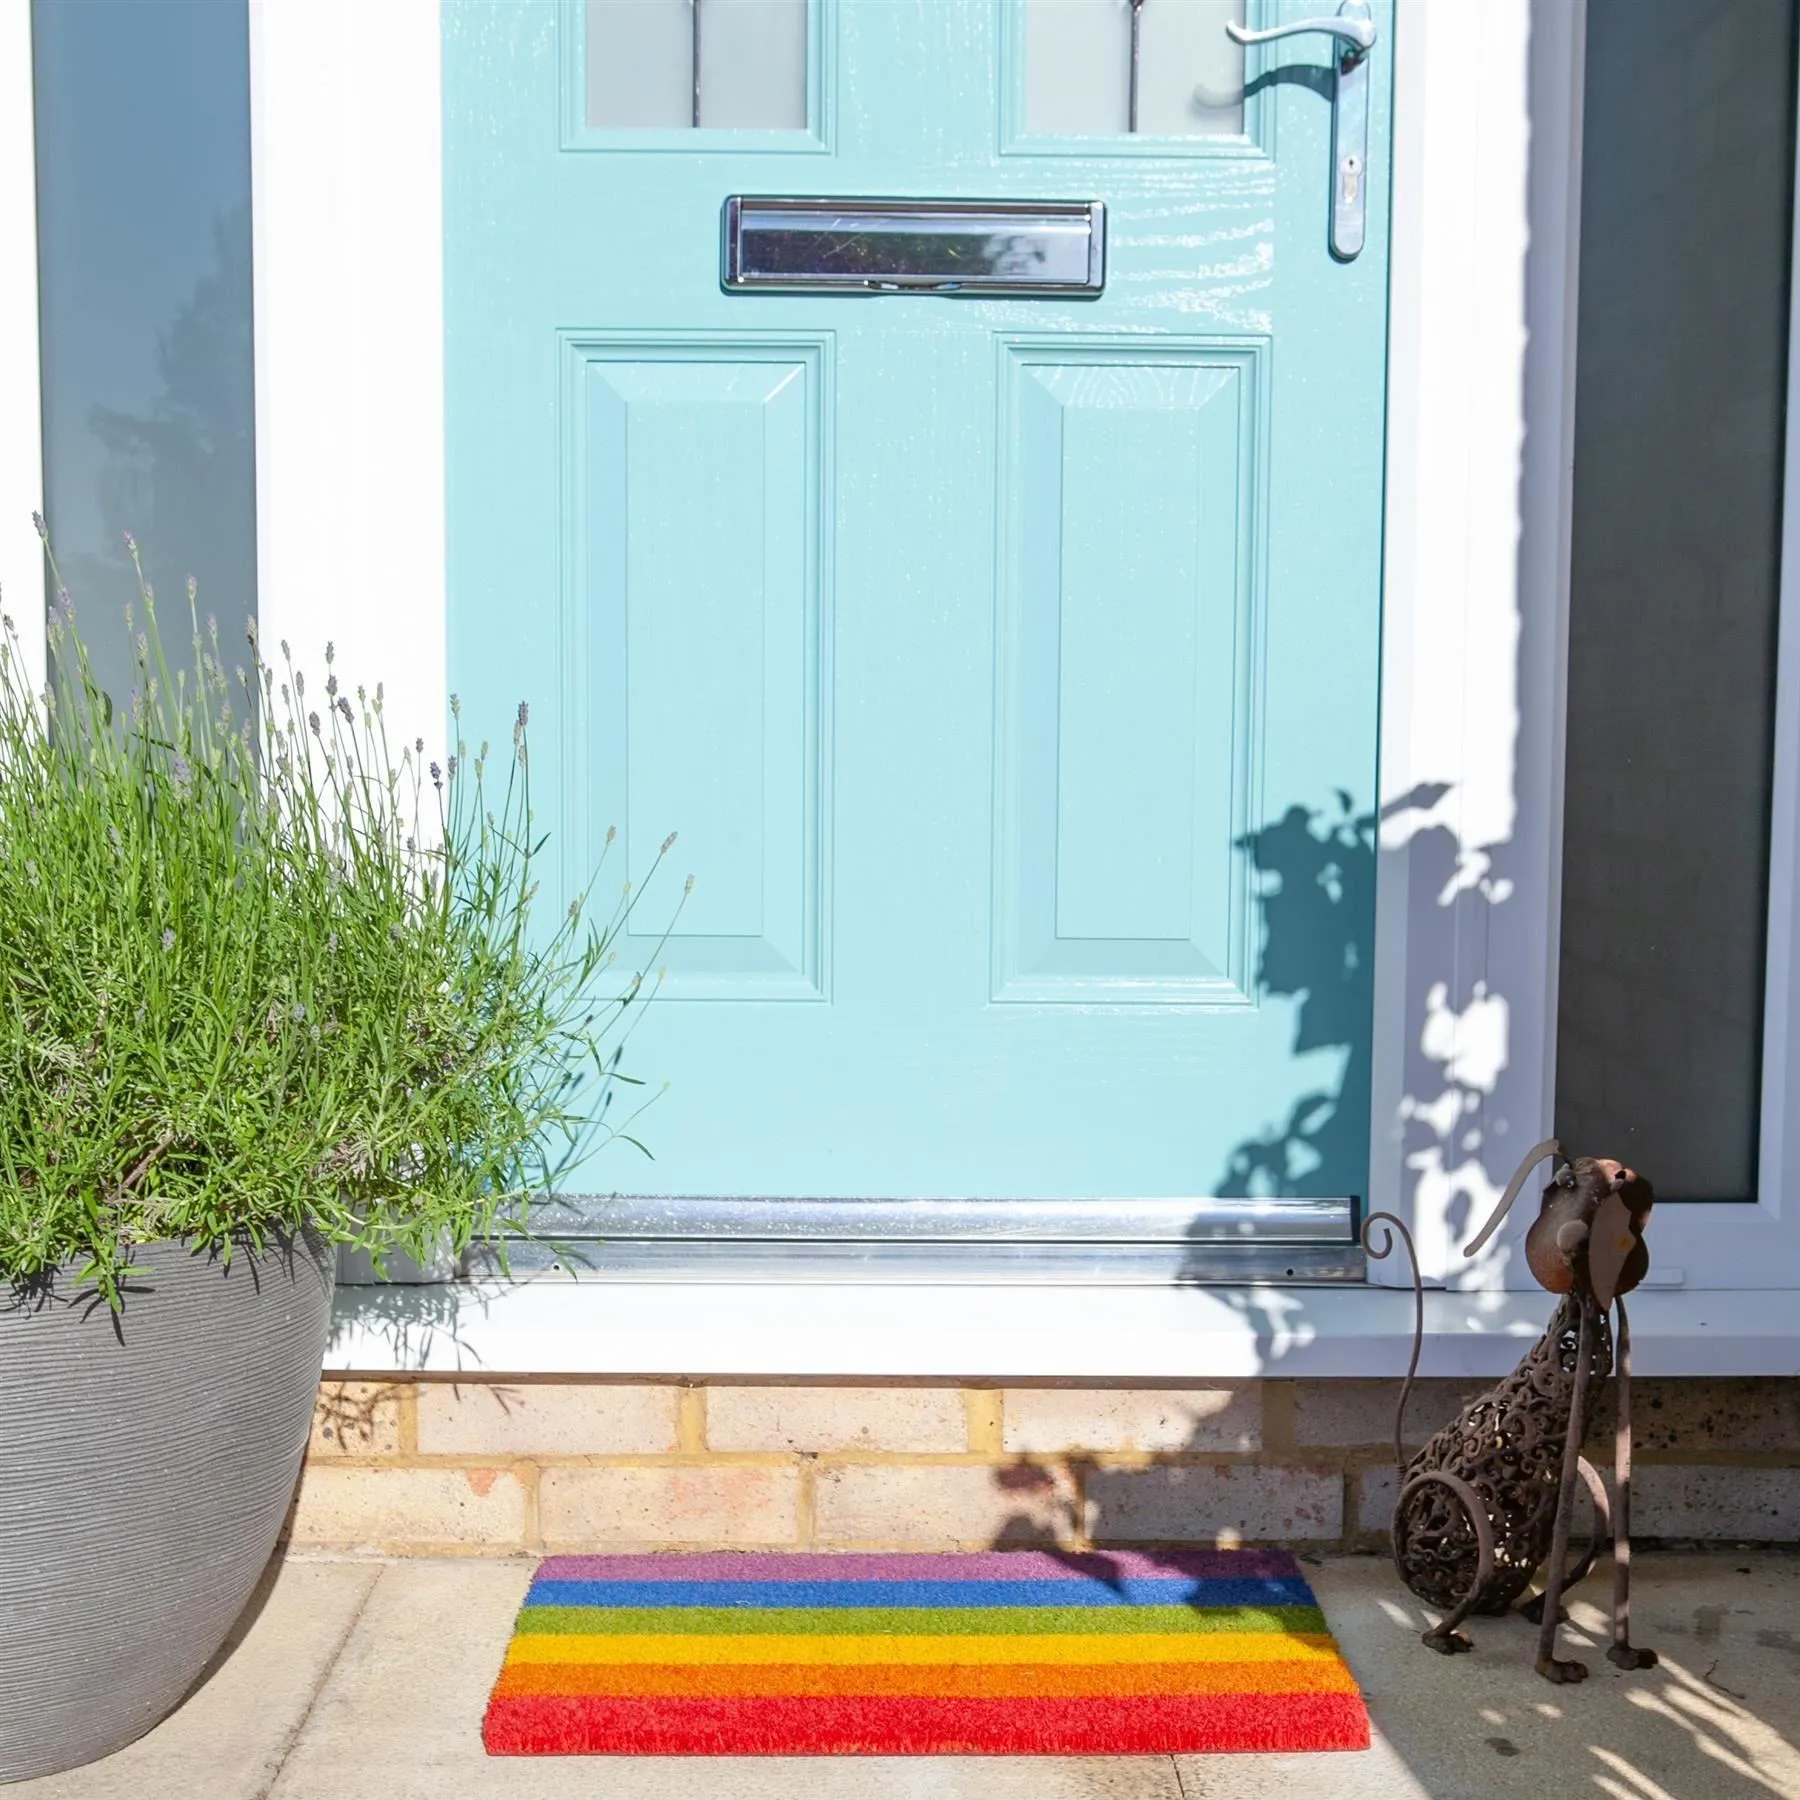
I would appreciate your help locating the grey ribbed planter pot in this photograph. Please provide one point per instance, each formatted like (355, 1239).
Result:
(144, 1475)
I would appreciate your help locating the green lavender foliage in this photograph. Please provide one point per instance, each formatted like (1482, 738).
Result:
(246, 991)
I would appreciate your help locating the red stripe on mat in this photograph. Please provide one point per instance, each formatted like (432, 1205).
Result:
(1152, 1724)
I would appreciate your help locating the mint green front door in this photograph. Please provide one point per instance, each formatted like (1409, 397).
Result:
(1008, 666)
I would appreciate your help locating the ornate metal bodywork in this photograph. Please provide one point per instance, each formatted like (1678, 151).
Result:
(1508, 1447)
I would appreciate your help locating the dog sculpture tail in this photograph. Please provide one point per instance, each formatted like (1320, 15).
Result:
(1391, 1225)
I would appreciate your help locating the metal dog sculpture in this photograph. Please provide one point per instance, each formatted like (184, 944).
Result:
(1491, 1497)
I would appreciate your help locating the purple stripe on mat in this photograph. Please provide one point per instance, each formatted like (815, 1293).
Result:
(981, 1565)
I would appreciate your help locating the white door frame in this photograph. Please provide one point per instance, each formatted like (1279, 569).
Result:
(1480, 430)
(1482, 337)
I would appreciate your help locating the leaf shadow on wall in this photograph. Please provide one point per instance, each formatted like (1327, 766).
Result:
(1317, 874)
(1317, 871)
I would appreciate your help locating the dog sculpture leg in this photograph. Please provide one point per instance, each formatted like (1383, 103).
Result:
(1623, 1653)
(1547, 1664)
(1600, 1538)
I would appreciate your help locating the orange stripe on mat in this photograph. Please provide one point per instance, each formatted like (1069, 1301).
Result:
(944, 1681)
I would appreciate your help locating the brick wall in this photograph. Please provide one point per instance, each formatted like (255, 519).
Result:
(502, 1467)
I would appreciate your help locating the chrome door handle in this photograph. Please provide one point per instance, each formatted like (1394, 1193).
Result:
(1354, 30)
(1358, 31)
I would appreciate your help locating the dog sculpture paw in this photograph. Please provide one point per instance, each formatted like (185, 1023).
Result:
(1555, 1669)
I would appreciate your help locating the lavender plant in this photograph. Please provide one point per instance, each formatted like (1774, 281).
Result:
(261, 974)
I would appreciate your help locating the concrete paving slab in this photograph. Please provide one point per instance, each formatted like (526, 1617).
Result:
(1719, 1719)
(366, 1681)
(229, 1738)
(400, 1718)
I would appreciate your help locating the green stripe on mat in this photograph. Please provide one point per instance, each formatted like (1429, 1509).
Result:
(895, 1621)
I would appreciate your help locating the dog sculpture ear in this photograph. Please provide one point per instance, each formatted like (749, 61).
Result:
(1610, 1242)
(1617, 1257)
(1533, 1156)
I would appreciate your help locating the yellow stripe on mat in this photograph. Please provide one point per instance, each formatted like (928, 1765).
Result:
(1150, 1647)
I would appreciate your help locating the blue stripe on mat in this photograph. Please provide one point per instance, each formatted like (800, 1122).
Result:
(1132, 1591)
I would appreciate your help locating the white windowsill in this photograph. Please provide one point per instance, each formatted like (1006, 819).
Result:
(559, 1326)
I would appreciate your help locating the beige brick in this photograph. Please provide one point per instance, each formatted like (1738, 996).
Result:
(1048, 1420)
(1218, 1505)
(356, 1418)
(1377, 1489)
(414, 1509)
(835, 1418)
(1333, 1414)
(720, 1504)
(546, 1419)
(1707, 1414)
(1378, 1485)
(943, 1504)
(1667, 1501)
(1740, 1504)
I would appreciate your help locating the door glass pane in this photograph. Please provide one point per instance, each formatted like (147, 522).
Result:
(1079, 67)
(143, 205)
(1686, 226)
(722, 64)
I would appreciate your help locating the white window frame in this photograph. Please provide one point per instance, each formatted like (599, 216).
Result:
(347, 185)
(1475, 694)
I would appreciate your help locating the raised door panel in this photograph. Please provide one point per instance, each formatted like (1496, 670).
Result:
(1128, 616)
(695, 650)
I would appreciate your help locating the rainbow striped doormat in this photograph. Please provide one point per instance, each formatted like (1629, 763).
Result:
(1000, 1652)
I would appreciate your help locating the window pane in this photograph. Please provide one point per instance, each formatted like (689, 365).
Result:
(752, 64)
(1685, 255)
(143, 178)
(1078, 67)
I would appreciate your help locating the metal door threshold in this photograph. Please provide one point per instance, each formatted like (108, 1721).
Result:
(1134, 1242)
